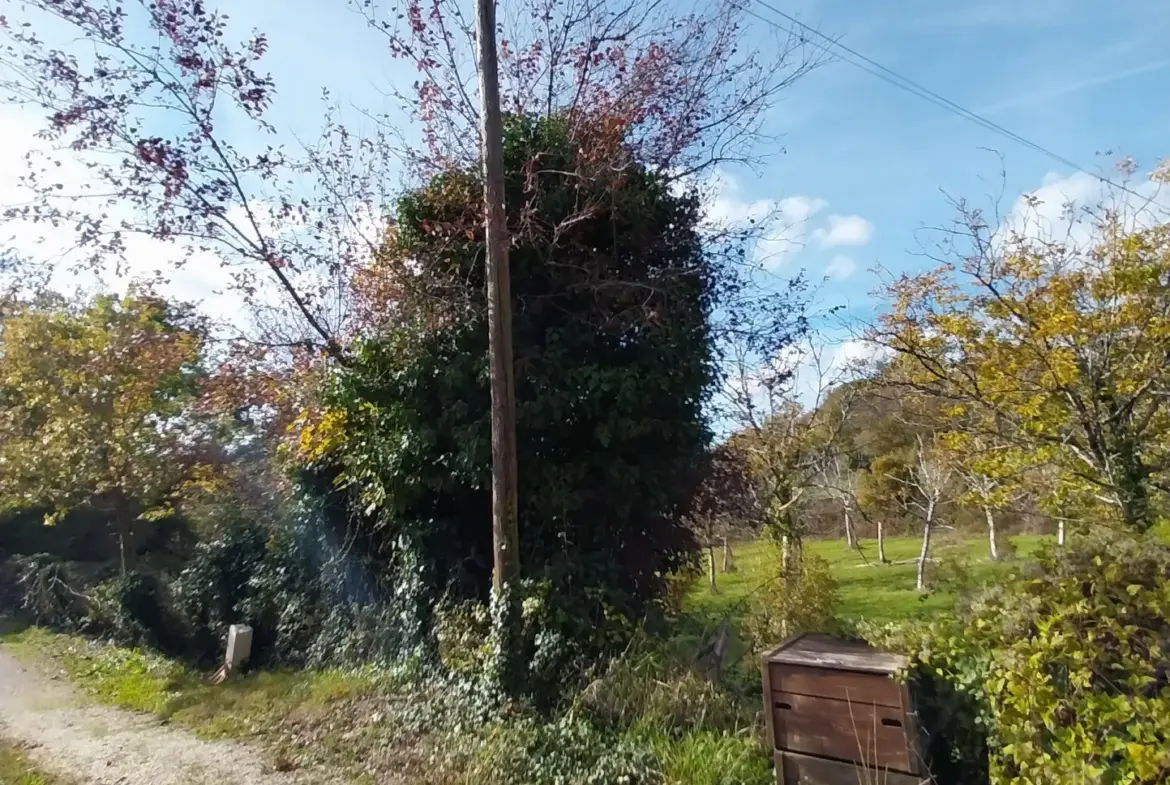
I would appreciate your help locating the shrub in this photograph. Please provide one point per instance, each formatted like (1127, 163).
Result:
(143, 615)
(537, 645)
(798, 601)
(216, 580)
(132, 609)
(10, 592)
(952, 566)
(314, 594)
(215, 587)
(1062, 673)
(461, 630)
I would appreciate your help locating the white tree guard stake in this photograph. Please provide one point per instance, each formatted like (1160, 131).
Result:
(239, 646)
(239, 649)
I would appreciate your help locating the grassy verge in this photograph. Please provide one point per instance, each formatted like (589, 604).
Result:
(372, 725)
(302, 718)
(147, 682)
(868, 590)
(17, 769)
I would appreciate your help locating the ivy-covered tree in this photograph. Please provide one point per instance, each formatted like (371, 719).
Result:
(614, 361)
(95, 408)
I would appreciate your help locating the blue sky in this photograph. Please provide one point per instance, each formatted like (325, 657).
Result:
(868, 165)
(1076, 76)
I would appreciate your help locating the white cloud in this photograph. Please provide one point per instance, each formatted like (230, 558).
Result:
(855, 354)
(1064, 209)
(819, 368)
(1052, 211)
(782, 223)
(789, 225)
(840, 267)
(808, 371)
(852, 230)
(202, 278)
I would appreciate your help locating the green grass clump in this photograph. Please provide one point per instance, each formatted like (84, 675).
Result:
(17, 769)
(705, 757)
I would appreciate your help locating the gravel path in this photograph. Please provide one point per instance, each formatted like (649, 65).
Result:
(66, 734)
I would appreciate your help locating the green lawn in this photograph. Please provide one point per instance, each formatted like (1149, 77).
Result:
(868, 590)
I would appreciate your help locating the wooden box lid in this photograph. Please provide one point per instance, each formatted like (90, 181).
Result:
(816, 650)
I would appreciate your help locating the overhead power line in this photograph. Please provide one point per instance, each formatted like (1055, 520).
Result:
(890, 76)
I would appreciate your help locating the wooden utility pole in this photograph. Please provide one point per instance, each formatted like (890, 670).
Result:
(505, 531)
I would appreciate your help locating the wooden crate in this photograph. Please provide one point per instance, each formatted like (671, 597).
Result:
(836, 716)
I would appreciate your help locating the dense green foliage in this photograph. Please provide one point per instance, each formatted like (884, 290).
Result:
(312, 595)
(1060, 674)
(614, 362)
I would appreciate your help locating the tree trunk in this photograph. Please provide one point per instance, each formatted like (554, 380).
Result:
(1133, 492)
(711, 567)
(127, 551)
(124, 532)
(1060, 532)
(881, 538)
(850, 538)
(505, 531)
(991, 541)
(920, 582)
(728, 557)
(793, 557)
(785, 553)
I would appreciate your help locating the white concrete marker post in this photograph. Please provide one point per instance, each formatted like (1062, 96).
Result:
(239, 646)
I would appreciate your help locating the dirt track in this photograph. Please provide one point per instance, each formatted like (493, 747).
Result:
(66, 734)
